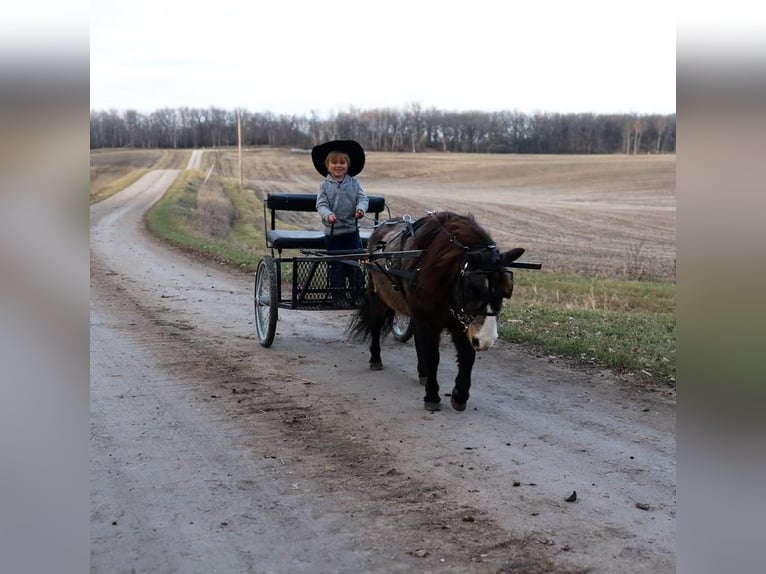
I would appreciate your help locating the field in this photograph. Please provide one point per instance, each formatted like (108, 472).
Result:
(597, 216)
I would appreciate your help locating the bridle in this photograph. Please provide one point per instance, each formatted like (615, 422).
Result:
(490, 262)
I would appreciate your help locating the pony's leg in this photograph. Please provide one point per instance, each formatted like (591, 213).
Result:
(466, 355)
(427, 345)
(422, 376)
(376, 362)
(377, 317)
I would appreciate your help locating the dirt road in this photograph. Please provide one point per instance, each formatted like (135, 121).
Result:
(210, 453)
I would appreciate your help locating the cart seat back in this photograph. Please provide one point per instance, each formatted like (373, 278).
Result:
(307, 239)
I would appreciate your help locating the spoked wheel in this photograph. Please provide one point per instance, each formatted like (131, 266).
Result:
(266, 299)
(402, 328)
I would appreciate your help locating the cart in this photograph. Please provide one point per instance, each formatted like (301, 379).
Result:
(307, 274)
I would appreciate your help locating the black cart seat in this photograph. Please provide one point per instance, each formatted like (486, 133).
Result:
(307, 239)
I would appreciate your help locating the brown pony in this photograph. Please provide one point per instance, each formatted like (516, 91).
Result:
(456, 280)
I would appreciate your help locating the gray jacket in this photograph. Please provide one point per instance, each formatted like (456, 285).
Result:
(342, 199)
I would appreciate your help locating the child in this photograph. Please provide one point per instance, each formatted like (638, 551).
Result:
(341, 202)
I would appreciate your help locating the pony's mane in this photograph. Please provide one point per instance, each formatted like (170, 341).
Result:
(444, 235)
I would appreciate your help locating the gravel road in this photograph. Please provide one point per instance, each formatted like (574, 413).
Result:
(210, 453)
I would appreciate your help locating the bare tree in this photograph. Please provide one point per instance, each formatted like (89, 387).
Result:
(627, 132)
(638, 128)
(389, 129)
(660, 123)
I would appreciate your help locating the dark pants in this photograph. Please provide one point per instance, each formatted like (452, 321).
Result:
(341, 275)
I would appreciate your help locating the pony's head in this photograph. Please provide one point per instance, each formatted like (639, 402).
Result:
(482, 285)
(462, 252)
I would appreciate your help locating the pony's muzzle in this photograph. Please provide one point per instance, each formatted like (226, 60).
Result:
(483, 335)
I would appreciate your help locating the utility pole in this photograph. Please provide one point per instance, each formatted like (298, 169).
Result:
(239, 145)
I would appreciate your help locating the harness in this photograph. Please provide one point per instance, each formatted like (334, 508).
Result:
(490, 261)
(386, 267)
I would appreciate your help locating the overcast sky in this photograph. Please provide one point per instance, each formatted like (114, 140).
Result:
(302, 56)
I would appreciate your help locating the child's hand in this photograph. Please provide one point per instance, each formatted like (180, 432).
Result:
(359, 214)
(331, 219)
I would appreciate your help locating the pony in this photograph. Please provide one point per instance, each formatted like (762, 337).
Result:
(444, 272)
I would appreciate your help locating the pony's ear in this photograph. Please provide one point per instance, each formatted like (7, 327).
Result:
(507, 284)
(512, 255)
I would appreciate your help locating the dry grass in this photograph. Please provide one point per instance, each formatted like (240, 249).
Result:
(215, 212)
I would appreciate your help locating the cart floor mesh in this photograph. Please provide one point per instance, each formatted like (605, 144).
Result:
(311, 286)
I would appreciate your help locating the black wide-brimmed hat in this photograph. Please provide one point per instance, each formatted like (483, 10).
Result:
(351, 148)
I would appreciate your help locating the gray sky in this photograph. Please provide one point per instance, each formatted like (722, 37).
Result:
(299, 56)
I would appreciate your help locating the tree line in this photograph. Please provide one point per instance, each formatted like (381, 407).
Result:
(410, 129)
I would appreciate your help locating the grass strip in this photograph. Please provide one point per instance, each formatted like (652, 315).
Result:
(174, 218)
(571, 291)
(638, 342)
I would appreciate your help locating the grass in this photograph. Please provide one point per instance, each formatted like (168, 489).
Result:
(175, 218)
(627, 326)
(624, 325)
(639, 342)
(596, 294)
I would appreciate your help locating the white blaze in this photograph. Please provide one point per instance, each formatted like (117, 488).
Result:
(487, 335)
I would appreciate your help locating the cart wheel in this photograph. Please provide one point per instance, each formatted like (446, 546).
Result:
(402, 327)
(266, 300)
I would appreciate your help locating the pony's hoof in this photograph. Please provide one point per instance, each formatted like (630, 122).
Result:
(423, 380)
(458, 406)
(432, 407)
(376, 366)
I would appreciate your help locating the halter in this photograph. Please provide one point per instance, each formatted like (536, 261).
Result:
(490, 263)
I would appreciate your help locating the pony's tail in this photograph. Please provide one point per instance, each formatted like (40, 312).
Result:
(371, 315)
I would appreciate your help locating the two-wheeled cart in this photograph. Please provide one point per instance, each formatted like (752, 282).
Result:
(306, 276)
